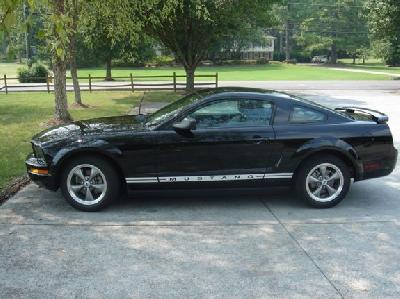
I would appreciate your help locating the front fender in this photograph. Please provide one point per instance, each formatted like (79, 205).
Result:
(101, 147)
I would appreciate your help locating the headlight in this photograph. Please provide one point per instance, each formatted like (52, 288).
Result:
(38, 152)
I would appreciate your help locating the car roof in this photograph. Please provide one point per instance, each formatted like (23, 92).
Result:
(211, 92)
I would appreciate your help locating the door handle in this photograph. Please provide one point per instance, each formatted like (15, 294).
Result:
(259, 140)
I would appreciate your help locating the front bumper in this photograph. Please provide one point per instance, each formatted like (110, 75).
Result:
(39, 173)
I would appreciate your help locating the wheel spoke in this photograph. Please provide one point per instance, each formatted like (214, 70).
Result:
(93, 172)
(76, 188)
(330, 189)
(99, 187)
(79, 173)
(322, 169)
(317, 192)
(334, 176)
(313, 179)
(88, 195)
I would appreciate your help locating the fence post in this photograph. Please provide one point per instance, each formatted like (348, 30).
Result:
(5, 83)
(47, 83)
(216, 80)
(175, 81)
(90, 83)
(132, 86)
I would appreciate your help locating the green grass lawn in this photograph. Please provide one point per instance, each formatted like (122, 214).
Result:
(9, 69)
(272, 71)
(371, 65)
(24, 114)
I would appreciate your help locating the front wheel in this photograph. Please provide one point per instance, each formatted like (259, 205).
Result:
(323, 181)
(90, 183)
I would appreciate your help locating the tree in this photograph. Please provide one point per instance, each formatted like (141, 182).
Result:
(59, 44)
(73, 11)
(108, 28)
(8, 13)
(57, 38)
(334, 25)
(315, 27)
(384, 25)
(190, 27)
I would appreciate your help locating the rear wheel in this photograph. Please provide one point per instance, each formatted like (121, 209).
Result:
(323, 181)
(90, 183)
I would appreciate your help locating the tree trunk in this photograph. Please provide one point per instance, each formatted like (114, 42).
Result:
(72, 54)
(333, 52)
(75, 82)
(287, 42)
(60, 91)
(287, 34)
(108, 69)
(190, 77)
(61, 103)
(354, 59)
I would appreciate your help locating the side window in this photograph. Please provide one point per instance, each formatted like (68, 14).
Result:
(306, 115)
(233, 113)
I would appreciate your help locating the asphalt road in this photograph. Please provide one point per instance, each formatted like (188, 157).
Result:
(212, 244)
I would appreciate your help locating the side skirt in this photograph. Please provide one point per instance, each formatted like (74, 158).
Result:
(208, 178)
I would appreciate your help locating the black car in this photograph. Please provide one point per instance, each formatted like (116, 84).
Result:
(216, 138)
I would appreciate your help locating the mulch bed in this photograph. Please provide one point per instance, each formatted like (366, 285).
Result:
(12, 188)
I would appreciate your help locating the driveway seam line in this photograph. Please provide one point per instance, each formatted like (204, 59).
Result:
(200, 224)
(135, 225)
(301, 247)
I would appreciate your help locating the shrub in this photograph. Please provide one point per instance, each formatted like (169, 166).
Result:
(23, 74)
(262, 61)
(36, 74)
(162, 61)
(291, 61)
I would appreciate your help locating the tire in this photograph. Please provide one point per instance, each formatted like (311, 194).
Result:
(94, 174)
(323, 191)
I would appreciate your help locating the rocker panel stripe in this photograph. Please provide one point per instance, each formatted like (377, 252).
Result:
(209, 178)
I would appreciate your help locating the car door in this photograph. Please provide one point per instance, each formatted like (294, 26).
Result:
(231, 142)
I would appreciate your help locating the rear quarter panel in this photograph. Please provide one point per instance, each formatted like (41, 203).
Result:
(359, 142)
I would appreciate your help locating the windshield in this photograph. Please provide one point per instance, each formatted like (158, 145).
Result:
(173, 109)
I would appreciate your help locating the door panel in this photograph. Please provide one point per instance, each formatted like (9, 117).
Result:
(215, 152)
(232, 141)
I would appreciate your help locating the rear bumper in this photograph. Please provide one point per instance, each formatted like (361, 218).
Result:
(43, 180)
(381, 167)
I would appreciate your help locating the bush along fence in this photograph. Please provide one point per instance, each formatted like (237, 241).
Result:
(143, 82)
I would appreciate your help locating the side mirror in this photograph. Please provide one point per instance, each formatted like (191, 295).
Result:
(187, 124)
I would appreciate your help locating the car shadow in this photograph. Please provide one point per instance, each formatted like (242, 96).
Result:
(375, 200)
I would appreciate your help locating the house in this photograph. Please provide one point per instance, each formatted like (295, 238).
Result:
(263, 49)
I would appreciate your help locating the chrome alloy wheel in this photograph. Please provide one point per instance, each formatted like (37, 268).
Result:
(324, 182)
(86, 184)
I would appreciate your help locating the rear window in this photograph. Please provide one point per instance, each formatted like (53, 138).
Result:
(306, 115)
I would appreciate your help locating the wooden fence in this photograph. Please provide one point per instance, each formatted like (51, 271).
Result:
(166, 82)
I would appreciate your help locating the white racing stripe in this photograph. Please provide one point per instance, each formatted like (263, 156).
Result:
(209, 178)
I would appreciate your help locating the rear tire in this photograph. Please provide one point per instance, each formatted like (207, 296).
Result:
(90, 183)
(323, 181)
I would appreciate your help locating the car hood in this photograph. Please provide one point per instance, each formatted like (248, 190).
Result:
(100, 126)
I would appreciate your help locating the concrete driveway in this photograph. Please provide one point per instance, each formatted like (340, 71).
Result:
(213, 244)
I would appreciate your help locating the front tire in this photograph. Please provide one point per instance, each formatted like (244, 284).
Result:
(323, 181)
(90, 183)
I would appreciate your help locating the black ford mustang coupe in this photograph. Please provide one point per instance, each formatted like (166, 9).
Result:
(216, 138)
